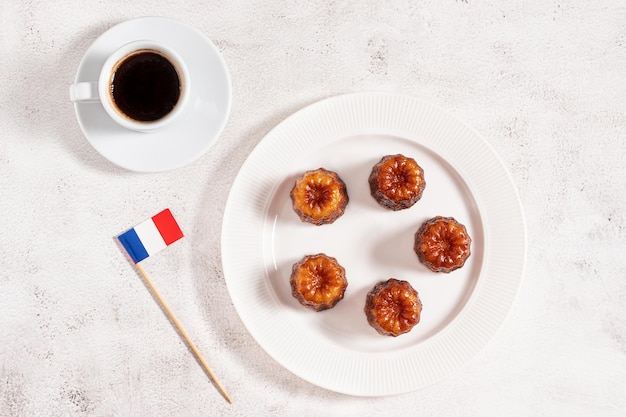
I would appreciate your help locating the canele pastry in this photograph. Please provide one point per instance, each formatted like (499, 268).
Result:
(318, 281)
(393, 307)
(397, 182)
(319, 197)
(442, 244)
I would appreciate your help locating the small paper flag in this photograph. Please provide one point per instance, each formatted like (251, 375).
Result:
(151, 236)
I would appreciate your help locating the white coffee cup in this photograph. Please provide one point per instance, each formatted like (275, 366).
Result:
(139, 93)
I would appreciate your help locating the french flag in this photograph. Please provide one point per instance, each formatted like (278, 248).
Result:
(151, 236)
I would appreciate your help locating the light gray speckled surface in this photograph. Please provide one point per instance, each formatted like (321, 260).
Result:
(80, 335)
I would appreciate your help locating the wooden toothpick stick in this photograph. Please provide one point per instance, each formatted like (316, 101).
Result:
(183, 333)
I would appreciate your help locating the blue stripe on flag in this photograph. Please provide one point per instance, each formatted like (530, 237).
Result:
(133, 245)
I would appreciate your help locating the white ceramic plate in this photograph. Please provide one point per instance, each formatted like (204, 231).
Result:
(192, 134)
(262, 238)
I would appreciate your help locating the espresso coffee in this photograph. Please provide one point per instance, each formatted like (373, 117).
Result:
(145, 86)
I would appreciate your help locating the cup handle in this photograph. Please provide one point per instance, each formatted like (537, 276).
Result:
(85, 91)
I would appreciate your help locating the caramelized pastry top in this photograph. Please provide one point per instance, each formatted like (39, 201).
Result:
(442, 244)
(393, 307)
(397, 182)
(318, 281)
(319, 197)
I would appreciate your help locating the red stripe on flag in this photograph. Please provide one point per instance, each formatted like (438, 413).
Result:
(167, 226)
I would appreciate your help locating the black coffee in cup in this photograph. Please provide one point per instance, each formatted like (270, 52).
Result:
(145, 86)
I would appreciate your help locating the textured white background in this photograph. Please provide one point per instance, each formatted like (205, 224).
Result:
(80, 335)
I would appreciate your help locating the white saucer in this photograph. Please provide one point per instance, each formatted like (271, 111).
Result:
(187, 138)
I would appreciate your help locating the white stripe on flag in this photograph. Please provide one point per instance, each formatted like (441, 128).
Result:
(150, 237)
